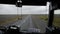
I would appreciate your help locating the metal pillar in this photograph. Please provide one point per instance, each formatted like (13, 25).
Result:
(51, 13)
(51, 17)
(52, 7)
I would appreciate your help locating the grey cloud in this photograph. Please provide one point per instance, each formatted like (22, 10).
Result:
(12, 9)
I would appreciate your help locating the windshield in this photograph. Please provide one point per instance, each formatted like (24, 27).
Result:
(25, 17)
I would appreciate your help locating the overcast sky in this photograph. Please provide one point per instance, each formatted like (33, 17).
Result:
(12, 9)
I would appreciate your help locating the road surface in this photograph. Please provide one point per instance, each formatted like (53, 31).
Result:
(29, 22)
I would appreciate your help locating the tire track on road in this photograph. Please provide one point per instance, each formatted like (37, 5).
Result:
(39, 24)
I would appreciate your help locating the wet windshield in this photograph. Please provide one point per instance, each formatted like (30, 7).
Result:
(27, 18)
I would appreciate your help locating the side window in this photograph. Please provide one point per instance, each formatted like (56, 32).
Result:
(56, 21)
